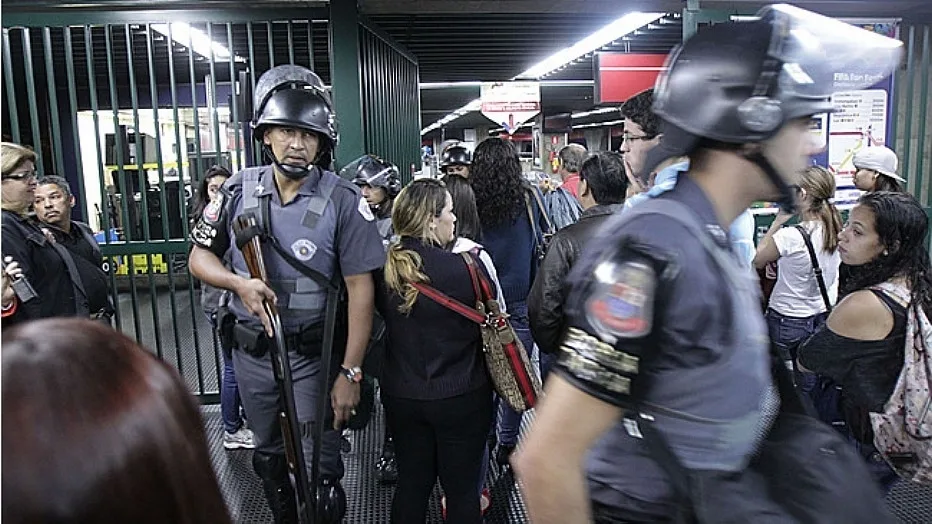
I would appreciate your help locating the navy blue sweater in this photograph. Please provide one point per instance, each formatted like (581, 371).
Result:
(512, 247)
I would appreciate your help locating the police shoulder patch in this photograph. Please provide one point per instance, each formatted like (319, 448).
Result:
(621, 300)
(364, 210)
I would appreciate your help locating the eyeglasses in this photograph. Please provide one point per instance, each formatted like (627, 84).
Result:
(627, 137)
(21, 175)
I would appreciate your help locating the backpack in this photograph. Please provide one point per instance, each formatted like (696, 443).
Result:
(903, 432)
(562, 207)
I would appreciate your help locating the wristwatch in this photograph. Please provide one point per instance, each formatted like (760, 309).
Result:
(354, 374)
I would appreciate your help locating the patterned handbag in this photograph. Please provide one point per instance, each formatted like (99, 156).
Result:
(505, 357)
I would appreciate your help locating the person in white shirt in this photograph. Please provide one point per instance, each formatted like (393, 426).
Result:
(797, 308)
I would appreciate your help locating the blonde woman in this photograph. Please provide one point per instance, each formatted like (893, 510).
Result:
(796, 308)
(435, 387)
(24, 243)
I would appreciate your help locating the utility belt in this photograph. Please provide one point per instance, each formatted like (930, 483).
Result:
(255, 342)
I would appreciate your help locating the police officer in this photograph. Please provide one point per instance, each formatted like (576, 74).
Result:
(380, 183)
(455, 160)
(662, 319)
(325, 224)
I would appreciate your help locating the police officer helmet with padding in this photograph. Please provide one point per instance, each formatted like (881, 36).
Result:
(454, 156)
(711, 95)
(372, 171)
(294, 97)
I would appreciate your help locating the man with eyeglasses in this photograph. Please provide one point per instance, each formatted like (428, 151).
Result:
(641, 134)
(43, 263)
(53, 204)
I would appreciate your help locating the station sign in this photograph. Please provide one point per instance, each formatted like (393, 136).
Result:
(510, 104)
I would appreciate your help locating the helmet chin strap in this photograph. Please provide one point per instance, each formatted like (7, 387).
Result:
(290, 171)
(787, 198)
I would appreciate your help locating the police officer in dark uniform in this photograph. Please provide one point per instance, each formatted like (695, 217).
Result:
(380, 183)
(662, 319)
(455, 160)
(324, 223)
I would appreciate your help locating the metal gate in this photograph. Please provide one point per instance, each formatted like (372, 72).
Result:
(132, 108)
(912, 141)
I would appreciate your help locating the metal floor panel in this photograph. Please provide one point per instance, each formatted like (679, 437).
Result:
(368, 501)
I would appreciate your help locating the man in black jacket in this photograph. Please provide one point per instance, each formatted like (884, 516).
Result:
(53, 204)
(602, 188)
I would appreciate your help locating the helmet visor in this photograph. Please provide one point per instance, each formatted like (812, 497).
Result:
(822, 56)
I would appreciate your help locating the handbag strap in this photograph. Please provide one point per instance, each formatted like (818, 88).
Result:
(815, 266)
(479, 281)
(451, 303)
(540, 205)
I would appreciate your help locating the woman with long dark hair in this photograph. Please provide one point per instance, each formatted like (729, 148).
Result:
(506, 203)
(435, 387)
(796, 307)
(97, 429)
(861, 347)
(235, 433)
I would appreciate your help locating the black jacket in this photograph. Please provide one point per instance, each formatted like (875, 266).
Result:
(545, 302)
(43, 268)
(431, 352)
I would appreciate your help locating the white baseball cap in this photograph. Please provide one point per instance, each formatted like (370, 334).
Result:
(879, 158)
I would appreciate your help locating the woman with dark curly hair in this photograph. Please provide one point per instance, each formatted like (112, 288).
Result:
(861, 347)
(505, 202)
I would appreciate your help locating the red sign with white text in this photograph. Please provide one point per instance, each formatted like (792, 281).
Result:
(619, 76)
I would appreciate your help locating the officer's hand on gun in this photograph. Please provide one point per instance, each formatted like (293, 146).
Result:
(253, 292)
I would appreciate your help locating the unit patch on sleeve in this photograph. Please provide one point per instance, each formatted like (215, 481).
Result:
(365, 211)
(621, 301)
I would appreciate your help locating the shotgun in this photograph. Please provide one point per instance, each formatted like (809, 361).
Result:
(247, 232)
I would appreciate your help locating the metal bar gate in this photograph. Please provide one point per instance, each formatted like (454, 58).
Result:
(133, 113)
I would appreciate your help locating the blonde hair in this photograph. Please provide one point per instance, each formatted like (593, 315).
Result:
(14, 155)
(412, 212)
(819, 184)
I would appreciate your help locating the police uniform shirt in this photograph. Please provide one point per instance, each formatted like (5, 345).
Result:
(330, 233)
(652, 323)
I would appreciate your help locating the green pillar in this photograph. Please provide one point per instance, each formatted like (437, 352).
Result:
(690, 18)
(345, 80)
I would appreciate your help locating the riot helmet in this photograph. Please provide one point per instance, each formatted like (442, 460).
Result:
(741, 82)
(293, 96)
(370, 170)
(455, 155)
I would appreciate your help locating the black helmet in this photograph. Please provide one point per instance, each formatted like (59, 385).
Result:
(740, 82)
(293, 96)
(455, 155)
(370, 170)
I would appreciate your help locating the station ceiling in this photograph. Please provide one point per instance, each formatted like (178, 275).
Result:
(463, 40)
(494, 40)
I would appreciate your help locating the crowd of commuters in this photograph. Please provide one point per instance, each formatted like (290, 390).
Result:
(641, 308)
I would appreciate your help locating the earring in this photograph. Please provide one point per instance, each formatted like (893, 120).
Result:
(885, 252)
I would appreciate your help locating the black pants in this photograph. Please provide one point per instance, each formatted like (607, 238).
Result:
(444, 438)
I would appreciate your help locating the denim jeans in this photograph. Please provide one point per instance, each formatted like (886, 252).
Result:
(787, 333)
(231, 407)
(509, 421)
